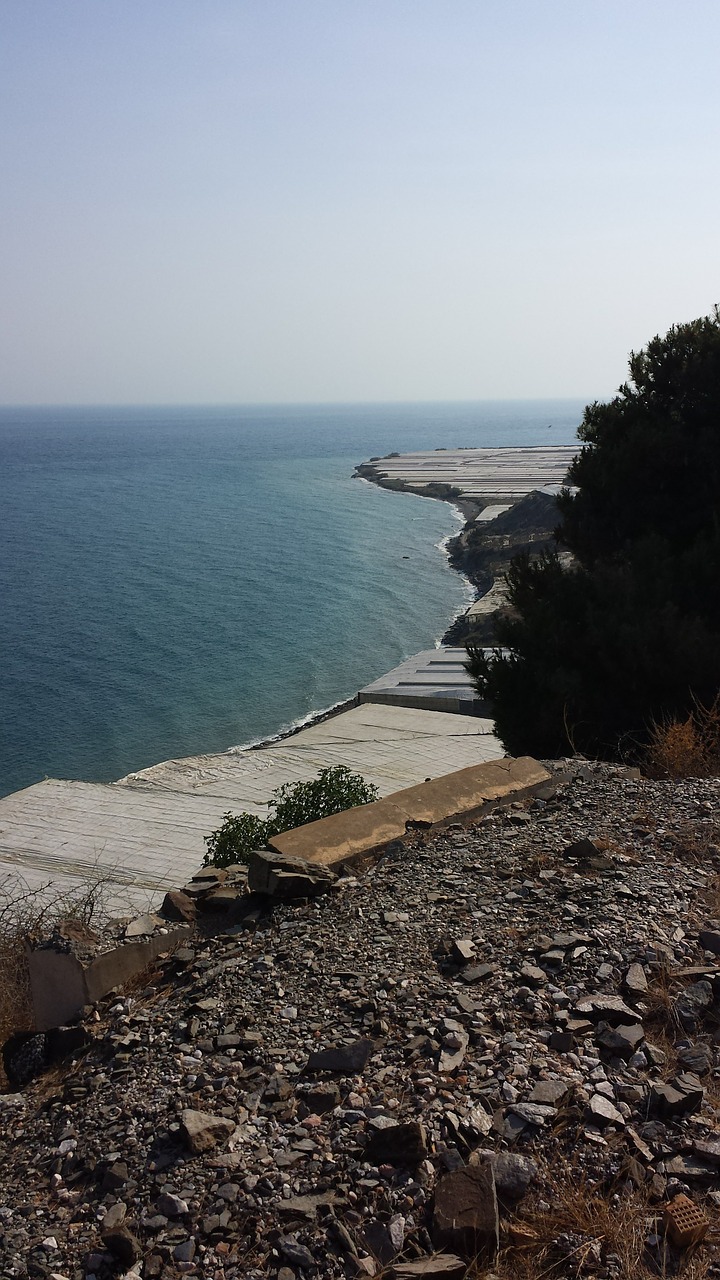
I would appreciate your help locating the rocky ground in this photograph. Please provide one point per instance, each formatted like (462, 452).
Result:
(483, 552)
(494, 1052)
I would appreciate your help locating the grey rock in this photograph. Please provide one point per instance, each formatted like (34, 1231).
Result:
(142, 926)
(115, 1215)
(583, 850)
(536, 977)
(605, 1008)
(375, 1237)
(306, 1206)
(636, 983)
(462, 950)
(710, 940)
(622, 1040)
(321, 1097)
(171, 1206)
(708, 1150)
(203, 1131)
(514, 1174)
(121, 1242)
(298, 1255)
(178, 906)
(535, 1113)
(440, 1266)
(679, 1097)
(115, 1176)
(185, 1250)
(550, 1092)
(693, 1003)
(562, 1041)
(697, 1058)
(400, 1144)
(478, 972)
(452, 1056)
(601, 1111)
(346, 1058)
(277, 1089)
(285, 877)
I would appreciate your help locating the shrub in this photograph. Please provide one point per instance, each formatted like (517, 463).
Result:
(235, 840)
(687, 748)
(591, 656)
(292, 805)
(332, 791)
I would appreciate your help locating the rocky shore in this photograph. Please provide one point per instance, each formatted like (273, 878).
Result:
(483, 549)
(494, 1051)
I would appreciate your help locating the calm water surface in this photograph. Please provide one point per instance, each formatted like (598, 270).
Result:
(181, 580)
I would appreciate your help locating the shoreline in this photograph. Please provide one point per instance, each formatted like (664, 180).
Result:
(466, 510)
(521, 513)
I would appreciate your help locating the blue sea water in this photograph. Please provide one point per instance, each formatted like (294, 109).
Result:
(180, 580)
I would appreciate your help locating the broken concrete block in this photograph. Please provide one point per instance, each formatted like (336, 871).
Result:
(286, 877)
(69, 972)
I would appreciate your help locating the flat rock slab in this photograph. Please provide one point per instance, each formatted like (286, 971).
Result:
(441, 1266)
(622, 1040)
(345, 1058)
(604, 1008)
(400, 1144)
(465, 1216)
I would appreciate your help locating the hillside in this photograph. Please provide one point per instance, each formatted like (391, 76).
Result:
(505, 1014)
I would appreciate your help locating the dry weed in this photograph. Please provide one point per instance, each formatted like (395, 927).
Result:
(23, 912)
(589, 1230)
(686, 748)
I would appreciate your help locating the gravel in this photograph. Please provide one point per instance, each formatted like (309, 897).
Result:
(535, 992)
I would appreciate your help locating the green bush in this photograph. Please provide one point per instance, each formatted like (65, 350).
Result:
(235, 840)
(332, 791)
(292, 805)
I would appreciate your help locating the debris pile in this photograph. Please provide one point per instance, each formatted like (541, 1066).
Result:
(436, 1068)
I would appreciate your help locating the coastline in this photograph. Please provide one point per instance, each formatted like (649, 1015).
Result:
(465, 512)
(512, 488)
(478, 584)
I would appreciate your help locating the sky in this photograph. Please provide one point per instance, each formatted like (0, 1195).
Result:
(238, 201)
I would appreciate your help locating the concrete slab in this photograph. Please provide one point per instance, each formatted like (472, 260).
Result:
(435, 680)
(145, 834)
(460, 796)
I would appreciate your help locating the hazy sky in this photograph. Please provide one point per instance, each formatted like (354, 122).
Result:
(283, 200)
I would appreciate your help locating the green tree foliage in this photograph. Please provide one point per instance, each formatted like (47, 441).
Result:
(630, 633)
(292, 805)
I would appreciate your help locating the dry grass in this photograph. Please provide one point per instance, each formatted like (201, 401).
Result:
(589, 1231)
(686, 748)
(25, 911)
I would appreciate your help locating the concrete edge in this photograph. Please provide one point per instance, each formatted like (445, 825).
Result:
(462, 796)
(61, 984)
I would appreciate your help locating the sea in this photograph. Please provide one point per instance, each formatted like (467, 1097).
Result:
(180, 580)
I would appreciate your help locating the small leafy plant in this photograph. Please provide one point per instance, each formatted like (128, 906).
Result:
(235, 840)
(292, 805)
